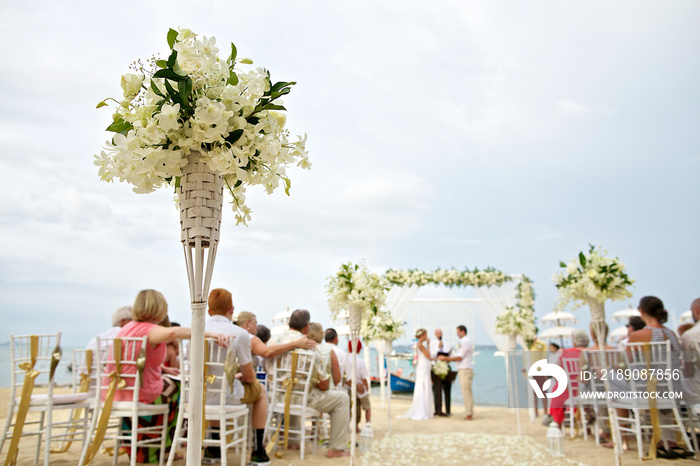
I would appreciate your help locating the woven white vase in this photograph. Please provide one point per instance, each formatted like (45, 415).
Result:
(201, 200)
(355, 318)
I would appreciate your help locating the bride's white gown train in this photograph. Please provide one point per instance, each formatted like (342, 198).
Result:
(422, 407)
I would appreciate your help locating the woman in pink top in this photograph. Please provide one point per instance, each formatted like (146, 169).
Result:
(150, 308)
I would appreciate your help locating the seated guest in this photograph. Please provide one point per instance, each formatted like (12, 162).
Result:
(149, 309)
(330, 360)
(248, 390)
(635, 323)
(331, 338)
(579, 339)
(682, 328)
(120, 318)
(333, 402)
(248, 321)
(691, 368)
(263, 333)
(362, 402)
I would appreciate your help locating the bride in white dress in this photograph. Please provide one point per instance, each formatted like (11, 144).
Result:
(422, 407)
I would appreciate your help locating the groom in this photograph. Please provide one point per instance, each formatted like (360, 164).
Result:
(441, 348)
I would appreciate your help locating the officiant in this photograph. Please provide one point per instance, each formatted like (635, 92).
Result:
(441, 386)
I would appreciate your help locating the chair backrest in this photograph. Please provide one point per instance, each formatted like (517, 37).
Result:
(644, 357)
(282, 370)
(599, 361)
(218, 361)
(40, 352)
(571, 367)
(80, 369)
(130, 363)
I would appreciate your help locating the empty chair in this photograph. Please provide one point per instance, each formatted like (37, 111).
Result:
(34, 359)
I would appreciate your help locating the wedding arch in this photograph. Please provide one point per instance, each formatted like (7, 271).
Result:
(505, 306)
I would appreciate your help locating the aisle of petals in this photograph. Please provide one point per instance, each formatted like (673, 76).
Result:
(459, 448)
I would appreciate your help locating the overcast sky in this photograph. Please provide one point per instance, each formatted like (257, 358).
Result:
(442, 134)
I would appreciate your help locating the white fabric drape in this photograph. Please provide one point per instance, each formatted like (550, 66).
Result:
(493, 302)
(398, 301)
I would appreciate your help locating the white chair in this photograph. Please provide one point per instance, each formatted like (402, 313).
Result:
(597, 362)
(640, 357)
(232, 418)
(128, 385)
(281, 372)
(34, 359)
(574, 402)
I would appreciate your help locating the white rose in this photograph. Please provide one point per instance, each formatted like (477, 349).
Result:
(571, 268)
(192, 64)
(131, 85)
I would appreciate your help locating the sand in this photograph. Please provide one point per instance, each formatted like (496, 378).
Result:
(490, 438)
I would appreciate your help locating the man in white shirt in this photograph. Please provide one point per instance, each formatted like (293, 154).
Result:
(441, 348)
(464, 363)
(331, 338)
(333, 402)
(691, 372)
(248, 390)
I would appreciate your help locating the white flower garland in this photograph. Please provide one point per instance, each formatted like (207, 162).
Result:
(593, 276)
(198, 101)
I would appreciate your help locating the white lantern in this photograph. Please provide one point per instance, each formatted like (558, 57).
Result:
(555, 440)
(366, 438)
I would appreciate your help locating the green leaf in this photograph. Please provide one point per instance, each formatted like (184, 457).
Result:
(175, 96)
(272, 106)
(178, 71)
(156, 90)
(161, 63)
(247, 61)
(287, 184)
(234, 136)
(234, 53)
(168, 74)
(172, 37)
(562, 264)
(233, 79)
(120, 126)
(185, 88)
(101, 104)
(280, 85)
(172, 59)
(582, 259)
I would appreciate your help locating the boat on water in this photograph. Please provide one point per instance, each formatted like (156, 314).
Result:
(398, 383)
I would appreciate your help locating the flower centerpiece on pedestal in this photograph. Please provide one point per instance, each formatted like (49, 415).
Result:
(356, 289)
(200, 123)
(592, 279)
(196, 102)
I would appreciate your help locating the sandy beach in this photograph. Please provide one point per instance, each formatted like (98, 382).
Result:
(491, 438)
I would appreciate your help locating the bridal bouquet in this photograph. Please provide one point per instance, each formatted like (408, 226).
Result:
(197, 101)
(380, 327)
(594, 276)
(441, 369)
(354, 284)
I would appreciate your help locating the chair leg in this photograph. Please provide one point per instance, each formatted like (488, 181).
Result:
(8, 423)
(179, 424)
(37, 452)
(679, 423)
(163, 438)
(47, 441)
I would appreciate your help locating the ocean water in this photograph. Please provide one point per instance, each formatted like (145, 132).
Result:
(489, 386)
(63, 375)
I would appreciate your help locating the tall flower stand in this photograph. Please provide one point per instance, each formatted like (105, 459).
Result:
(354, 322)
(383, 349)
(201, 199)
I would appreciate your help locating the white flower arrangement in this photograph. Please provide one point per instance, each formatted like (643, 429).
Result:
(452, 277)
(381, 326)
(196, 101)
(594, 276)
(520, 321)
(441, 369)
(354, 284)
